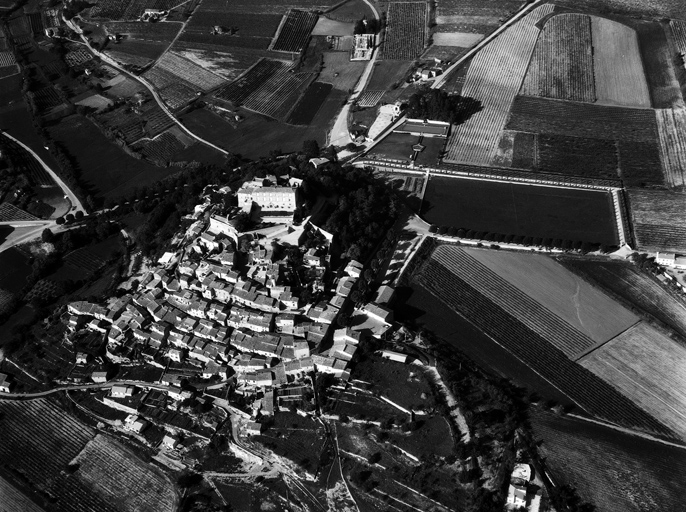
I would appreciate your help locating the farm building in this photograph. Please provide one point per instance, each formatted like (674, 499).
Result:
(5, 383)
(516, 495)
(394, 356)
(122, 391)
(135, 424)
(669, 259)
(170, 441)
(99, 377)
(253, 428)
(363, 47)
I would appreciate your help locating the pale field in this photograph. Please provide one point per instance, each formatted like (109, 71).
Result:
(494, 78)
(453, 19)
(327, 27)
(671, 127)
(114, 473)
(461, 39)
(563, 293)
(647, 367)
(619, 76)
(338, 63)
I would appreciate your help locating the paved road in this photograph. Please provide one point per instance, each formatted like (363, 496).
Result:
(339, 134)
(65, 189)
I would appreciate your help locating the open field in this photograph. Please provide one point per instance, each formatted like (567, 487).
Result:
(340, 71)
(639, 289)
(113, 472)
(310, 103)
(574, 156)
(587, 390)
(671, 127)
(561, 66)
(647, 367)
(618, 66)
(387, 74)
(155, 32)
(659, 219)
(105, 168)
(617, 472)
(254, 29)
(494, 78)
(566, 295)
(405, 31)
(350, 11)
(327, 27)
(294, 31)
(474, 17)
(461, 39)
(239, 90)
(523, 210)
(189, 72)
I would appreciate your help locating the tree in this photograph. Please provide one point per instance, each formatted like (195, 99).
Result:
(374, 458)
(438, 105)
(78, 215)
(311, 148)
(69, 218)
(47, 236)
(59, 221)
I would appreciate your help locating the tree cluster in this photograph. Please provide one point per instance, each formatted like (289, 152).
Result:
(365, 26)
(438, 105)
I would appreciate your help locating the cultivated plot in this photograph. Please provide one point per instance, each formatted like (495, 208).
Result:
(618, 66)
(648, 367)
(565, 294)
(659, 219)
(494, 78)
(405, 31)
(671, 126)
(561, 66)
(461, 39)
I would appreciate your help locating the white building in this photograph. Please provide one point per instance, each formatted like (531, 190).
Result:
(269, 199)
(669, 259)
(516, 495)
(394, 356)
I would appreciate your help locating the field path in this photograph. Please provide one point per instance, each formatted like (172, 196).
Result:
(452, 404)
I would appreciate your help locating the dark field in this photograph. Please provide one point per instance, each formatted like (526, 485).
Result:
(387, 73)
(514, 209)
(105, 168)
(524, 151)
(576, 155)
(14, 269)
(588, 391)
(257, 135)
(615, 471)
(310, 103)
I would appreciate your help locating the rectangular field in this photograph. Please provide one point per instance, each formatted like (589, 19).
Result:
(294, 31)
(340, 72)
(577, 156)
(561, 66)
(460, 39)
(494, 78)
(405, 31)
(671, 127)
(647, 367)
(569, 297)
(618, 66)
(659, 219)
(508, 208)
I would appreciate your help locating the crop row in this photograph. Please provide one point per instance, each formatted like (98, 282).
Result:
(494, 78)
(238, 90)
(295, 31)
(189, 72)
(640, 164)
(562, 63)
(583, 387)
(661, 236)
(405, 31)
(7, 59)
(679, 31)
(277, 97)
(671, 127)
(576, 119)
(534, 315)
(578, 156)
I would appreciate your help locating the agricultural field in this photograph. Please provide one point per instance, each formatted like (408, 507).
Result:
(646, 366)
(561, 66)
(141, 31)
(576, 156)
(634, 131)
(671, 127)
(616, 471)
(111, 470)
(459, 39)
(327, 27)
(239, 90)
(13, 499)
(340, 71)
(618, 65)
(523, 210)
(494, 78)
(405, 31)
(294, 31)
(310, 103)
(105, 168)
(350, 11)
(585, 389)
(541, 294)
(388, 75)
(475, 17)
(566, 295)
(658, 219)
(524, 154)
(637, 289)
(127, 9)
(277, 96)
(188, 72)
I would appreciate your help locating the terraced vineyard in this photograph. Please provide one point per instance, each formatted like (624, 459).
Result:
(659, 219)
(294, 31)
(405, 31)
(494, 78)
(562, 64)
(583, 387)
(671, 126)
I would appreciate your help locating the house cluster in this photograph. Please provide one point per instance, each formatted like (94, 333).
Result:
(225, 305)
(671, 260)
(274, 204)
